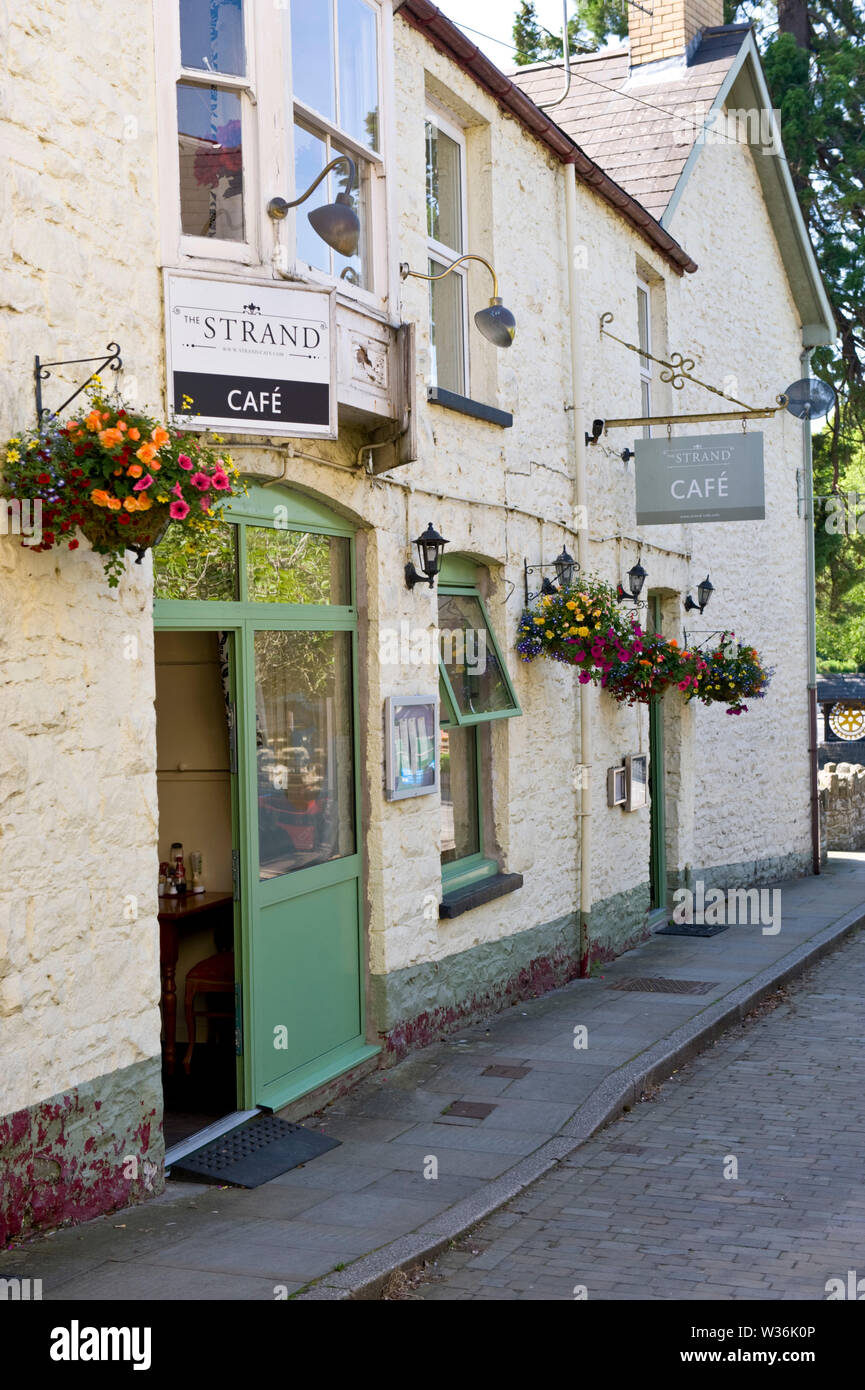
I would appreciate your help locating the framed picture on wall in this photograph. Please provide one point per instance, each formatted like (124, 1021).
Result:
(637, 781)
(411, 746)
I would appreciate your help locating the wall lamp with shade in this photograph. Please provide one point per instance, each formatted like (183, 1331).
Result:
(636, 580)
(566, 569)
(496, 322)
(704, 593)
(336, 223)
(430, 548)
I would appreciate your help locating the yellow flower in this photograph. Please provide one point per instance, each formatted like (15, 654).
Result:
(582, 632)
(539, 621)
(570, 603)
(32, 445)
(160, 498)
(12, 456)
(15, 441)
(549, 634)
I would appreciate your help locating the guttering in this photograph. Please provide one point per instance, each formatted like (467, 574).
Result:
(452, 42)
(811, 629)
(581, 519)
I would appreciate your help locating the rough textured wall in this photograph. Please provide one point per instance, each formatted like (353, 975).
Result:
(78, 932)
(741, 325)
(843, 798)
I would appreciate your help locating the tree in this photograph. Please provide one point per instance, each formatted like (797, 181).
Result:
(528, 37)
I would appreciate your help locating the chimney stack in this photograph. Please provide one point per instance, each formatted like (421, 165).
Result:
(671, 27)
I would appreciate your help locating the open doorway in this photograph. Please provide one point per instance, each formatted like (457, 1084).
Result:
(196, 836)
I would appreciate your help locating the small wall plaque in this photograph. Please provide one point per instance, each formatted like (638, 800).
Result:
(411, 746)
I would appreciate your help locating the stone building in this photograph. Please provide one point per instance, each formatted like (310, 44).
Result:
(139, 192)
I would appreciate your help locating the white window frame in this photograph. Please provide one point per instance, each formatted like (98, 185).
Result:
(643, 287)
(267, 125)
(375, 217)
(438, 250)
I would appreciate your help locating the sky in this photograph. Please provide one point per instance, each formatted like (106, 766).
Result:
(496, 18)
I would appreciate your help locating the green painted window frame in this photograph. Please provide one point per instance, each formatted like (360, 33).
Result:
(472, 868)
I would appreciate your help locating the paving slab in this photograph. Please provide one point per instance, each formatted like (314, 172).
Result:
(369, 1205)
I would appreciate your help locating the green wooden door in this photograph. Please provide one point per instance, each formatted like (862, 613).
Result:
(291, 606)
(658, 827)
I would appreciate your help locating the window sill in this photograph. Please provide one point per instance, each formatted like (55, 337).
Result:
(463, 405)
(461, 900)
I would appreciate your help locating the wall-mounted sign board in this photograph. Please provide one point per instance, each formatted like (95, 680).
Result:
(411, 746)
(709, 477)
(252, 357)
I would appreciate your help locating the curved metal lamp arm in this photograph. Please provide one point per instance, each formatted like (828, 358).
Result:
(279, 207)
(405, 271)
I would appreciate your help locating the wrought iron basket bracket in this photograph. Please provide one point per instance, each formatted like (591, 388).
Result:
(539, 569)
(41, 373)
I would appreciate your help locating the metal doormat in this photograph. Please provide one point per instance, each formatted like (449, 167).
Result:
(692, 929)
(656, 984)
(255, 1153)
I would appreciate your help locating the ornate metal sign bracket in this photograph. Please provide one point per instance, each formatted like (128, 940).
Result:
(41, 373)
(676, 372)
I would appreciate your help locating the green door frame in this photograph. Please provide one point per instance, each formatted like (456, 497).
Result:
(242, 618)
(657, 792)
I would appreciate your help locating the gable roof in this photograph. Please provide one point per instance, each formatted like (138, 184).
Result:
(640, 129)
(453, 43)
(645, 127)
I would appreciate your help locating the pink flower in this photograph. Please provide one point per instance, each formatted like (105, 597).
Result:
(184, 460)
(178, 491)
(584, 677)
(143, 483)
(221, 481)
(201, 481)
(178, 511)
(683, 685)
(579, 656)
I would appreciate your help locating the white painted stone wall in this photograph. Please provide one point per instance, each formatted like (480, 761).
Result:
(79, 978)
(77, 787)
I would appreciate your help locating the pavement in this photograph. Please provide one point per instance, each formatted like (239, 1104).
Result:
(739, 1178)
(413, 1173)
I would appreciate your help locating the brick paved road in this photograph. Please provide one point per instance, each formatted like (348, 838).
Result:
(644, 1210)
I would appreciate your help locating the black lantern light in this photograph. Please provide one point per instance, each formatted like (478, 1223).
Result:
(336, 223)
(704, 593)
(430, 547)
(564, 565)
(636, 580)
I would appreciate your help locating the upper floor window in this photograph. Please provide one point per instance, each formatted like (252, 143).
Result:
(644, 339)
(256, 99)
(446, 233)
(210, 117)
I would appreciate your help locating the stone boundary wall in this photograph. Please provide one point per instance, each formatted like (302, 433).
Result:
(842, 787)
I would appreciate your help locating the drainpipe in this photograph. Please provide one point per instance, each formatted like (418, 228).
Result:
(566, 46)
(811, 618)
(582, 529)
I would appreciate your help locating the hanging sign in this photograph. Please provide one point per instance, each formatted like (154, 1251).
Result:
(699, 477)
(251, 358)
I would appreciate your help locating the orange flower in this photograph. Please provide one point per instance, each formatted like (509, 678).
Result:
(135, 470)
(134, 433)
(117, 472)
(155, 465)
(144, 502)
(108, 438)
(121, 425)
(99, 498)
(93, 421)
(160, 436)
(131, 504)
(147, 453)
(114, 504)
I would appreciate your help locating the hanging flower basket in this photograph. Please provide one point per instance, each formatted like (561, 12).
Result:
(118, 477)
(731, 675)
(584, 626)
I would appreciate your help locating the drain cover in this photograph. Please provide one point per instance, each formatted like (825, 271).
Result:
(656, 984)
(255, 1153)
(469, 1109)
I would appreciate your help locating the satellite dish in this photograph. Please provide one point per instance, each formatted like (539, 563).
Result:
(810, 398)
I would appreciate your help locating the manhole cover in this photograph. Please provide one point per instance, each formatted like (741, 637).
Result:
(469, 1109)
(656, 984)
